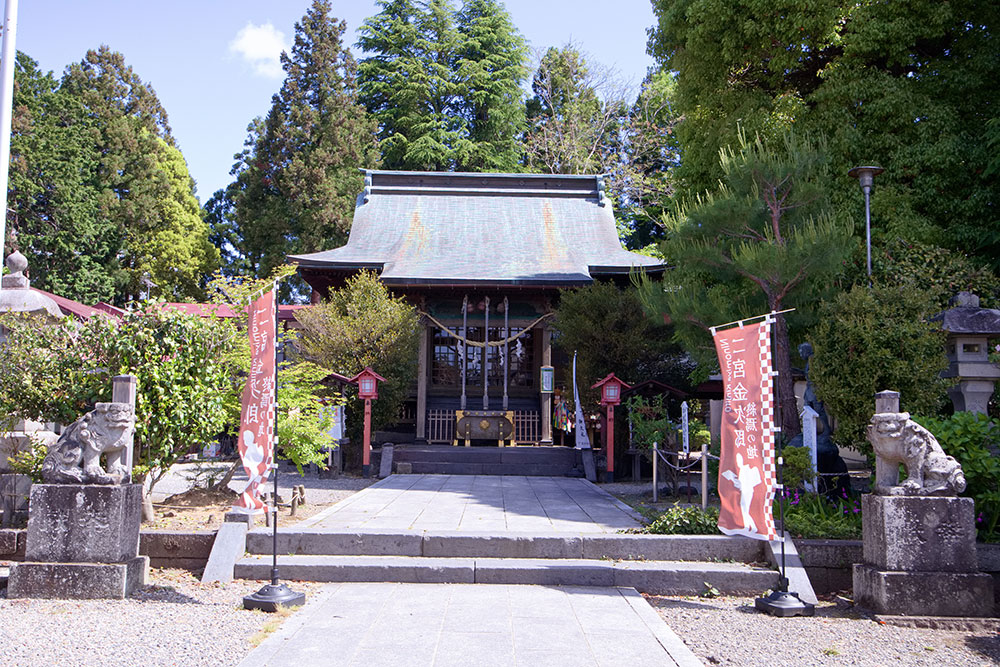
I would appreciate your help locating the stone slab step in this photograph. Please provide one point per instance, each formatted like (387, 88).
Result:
(519, 455)
(453, 544)
(528, 469)
(655, 577)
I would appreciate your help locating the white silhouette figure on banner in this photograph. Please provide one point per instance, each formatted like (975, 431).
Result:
(253, 457)
(745, 480)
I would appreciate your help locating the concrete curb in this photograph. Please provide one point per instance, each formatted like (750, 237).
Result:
(672, 644)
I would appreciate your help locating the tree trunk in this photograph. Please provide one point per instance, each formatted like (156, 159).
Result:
(788, 413)
(148, 513)
(228, 477)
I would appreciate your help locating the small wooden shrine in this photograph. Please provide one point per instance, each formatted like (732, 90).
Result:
(482, 257)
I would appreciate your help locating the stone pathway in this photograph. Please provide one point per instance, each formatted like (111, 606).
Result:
(479, 503)
(439, 625)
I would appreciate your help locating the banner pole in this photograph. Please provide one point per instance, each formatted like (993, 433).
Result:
(781, 602)
(275, 595)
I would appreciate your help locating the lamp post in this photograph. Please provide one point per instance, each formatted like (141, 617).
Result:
(367, 381)
(865, 176)
(611, 395)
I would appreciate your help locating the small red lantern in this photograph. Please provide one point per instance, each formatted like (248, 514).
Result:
(611, 395)
(611, 390)
(367, 381)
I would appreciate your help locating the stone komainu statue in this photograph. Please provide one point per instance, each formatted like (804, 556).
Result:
(930, 472)
(76, 457)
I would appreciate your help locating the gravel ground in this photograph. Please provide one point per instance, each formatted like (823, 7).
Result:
(174, 621)
(729, 631)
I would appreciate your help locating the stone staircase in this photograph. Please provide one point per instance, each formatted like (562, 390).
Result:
(480, 460)
(676, 564)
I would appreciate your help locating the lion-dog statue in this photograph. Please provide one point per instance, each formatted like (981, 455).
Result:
(930, 472)
(75, 458)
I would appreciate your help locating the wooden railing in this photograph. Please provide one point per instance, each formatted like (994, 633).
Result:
(441, 427)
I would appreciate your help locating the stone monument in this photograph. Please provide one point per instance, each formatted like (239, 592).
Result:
(83, 522)
(919, 538)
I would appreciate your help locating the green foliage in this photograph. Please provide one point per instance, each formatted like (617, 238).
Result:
(445, 86)
(53, 191)
(102, 197)
(908, 86)
(798, 468)
(685, 520)
(363, 325)
(490, 67)
(870, 340)
(606, 326)
(303, 423)
(762, 240)
(650, 422)
(974, 440)
(60, 370)
(569, 124)
(814, 516)
(297, 180)
(29, 461)
(939, 272)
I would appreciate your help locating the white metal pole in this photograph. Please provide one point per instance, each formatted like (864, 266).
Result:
(6, 104)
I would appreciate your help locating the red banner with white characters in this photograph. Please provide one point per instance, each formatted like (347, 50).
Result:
(256, 441)
(746, 463)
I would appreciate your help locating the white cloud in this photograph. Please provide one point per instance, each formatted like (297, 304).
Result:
(260, 46)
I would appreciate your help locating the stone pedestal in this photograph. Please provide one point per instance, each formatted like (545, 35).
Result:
(83, 542)
(920, 558)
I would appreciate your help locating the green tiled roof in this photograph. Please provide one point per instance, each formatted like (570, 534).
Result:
(461, 228)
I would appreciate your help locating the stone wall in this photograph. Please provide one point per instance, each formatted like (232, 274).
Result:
(181, 549)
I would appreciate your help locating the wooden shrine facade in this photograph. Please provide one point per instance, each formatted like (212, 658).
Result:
(482, 257)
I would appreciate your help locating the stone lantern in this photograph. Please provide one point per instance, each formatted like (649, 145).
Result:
(969, 330)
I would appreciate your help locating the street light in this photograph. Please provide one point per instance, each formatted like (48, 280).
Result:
(865, 176)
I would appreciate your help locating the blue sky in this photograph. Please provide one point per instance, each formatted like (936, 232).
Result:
(213, 63)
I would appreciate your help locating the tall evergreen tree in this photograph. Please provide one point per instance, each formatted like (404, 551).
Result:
(132, 139)
(409, 85)
(52, 196)
(491, 68)
(297, 181)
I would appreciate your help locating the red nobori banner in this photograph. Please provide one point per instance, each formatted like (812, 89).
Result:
(256, 441)
(746, 463)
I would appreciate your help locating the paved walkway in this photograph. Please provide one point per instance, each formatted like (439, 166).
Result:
(477, 503)
(438, 625)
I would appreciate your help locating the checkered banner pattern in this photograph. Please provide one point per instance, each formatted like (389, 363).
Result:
(746, 463)
(256, 443)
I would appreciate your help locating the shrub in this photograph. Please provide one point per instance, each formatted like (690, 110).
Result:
(973, 440)
(813, 516)
(688, 520)
(870, 340)
(798, 467)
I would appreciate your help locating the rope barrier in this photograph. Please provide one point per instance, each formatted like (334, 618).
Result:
(477, 343)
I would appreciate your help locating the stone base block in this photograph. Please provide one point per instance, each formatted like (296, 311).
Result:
(84, 523)
(77, 581)
(923, 593)
(919, 533)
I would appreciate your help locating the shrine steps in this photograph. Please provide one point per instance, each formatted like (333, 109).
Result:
(678, 565)
(449, 460)
(655, 577)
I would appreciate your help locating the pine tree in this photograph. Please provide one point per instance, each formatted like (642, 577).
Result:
(763, 240)
(297, 182)
(491, 68)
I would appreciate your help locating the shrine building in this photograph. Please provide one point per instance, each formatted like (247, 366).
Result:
(482, 257)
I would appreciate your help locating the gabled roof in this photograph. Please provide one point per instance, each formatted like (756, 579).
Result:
(464, 228)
